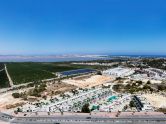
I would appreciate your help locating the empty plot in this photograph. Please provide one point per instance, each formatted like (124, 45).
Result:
(7, 100)
(89, 82)
(156, 100)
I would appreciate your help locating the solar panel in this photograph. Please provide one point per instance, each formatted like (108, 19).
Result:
(78, 71)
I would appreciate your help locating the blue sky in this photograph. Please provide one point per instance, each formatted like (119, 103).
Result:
(82, 26)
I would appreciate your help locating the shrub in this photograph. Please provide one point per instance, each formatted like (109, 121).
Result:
(148, 82)
(132, 104)
(16, 95)
(85, 108)
(139, 82)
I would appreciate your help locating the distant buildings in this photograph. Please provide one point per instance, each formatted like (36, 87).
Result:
(95, 63)
(119, 72)
(150, 74)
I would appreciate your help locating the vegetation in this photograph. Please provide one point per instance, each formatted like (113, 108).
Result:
(99, 73)
(132, 104)
(4, 82)
(133, 87)
(162, 110)
(148, 82)
(20, 95)
(139, 82)
(155, 63)
(161, 87)
(125, 107)
(119, 87)
(30, 71)
(24, 72)
(33, 71)
(1, 66)
(38, 90)
(119, 78)
(85, 108)
(16, 95)
(19, 110)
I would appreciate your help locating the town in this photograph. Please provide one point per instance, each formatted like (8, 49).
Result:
(112, 87)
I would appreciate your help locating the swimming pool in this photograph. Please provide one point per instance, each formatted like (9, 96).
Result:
(112, 98)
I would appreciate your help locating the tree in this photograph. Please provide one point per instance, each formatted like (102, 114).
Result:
(85, 108)
(132, 104)
(148, 82)
(118, 78)
(125, 107)
(35, 92)
(15, 112)
(16, 95)
(139, 82)
(19, 110)
(145, 87)
(24, 97)
(30, 85)
(99, 73)
(161, 110)
(161, 88)
(44, 97)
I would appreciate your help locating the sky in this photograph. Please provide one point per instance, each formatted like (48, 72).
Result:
(47, 27)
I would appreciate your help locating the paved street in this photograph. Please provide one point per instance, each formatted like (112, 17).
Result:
(83, 119)
(87, 120)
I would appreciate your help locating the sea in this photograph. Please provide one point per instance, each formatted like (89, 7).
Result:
(52, 58)
(4, 58)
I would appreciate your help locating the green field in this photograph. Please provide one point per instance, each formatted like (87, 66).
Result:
(3, 80)
(28, 72)
(3, 77)
(1, 66)
(23, 72)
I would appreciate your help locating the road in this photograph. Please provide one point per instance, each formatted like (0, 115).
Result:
(87, 120)
(9, 78)
(83, 119)
(16, 87)
(5, 117)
